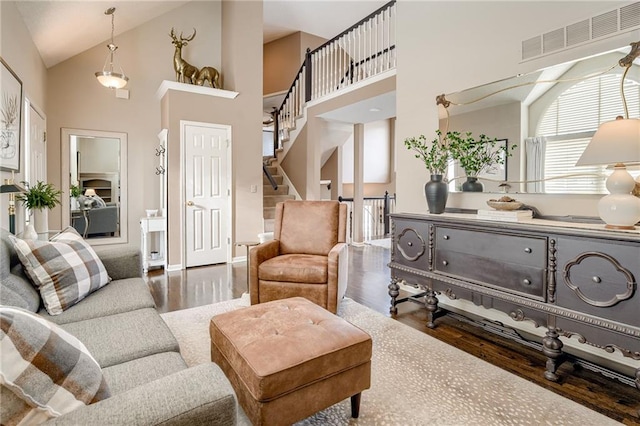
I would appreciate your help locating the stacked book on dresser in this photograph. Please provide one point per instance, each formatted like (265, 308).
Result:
(505, 215)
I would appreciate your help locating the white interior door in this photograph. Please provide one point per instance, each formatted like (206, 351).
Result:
(37, 152)
(37, 148)
(207, 194)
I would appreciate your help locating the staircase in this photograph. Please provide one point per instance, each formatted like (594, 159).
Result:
(270, 196)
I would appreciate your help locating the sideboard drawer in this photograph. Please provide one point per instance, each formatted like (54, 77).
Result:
(599, 278)
(526, 280)
(410, 241)
(508, 248)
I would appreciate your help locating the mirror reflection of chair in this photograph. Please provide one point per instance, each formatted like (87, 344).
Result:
(308, 256)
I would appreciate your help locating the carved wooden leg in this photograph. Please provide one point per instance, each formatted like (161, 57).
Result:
(638, 378)
(431, 305)
(394, 291)
(355, 405)
(552, 349)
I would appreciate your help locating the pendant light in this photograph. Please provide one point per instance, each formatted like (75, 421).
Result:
(107, 77)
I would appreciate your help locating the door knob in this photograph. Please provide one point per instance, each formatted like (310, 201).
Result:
(190, 203)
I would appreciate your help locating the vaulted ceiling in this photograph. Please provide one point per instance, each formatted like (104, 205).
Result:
(62, 29)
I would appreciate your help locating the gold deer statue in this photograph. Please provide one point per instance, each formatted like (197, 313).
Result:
(187, 73)
(209, 74)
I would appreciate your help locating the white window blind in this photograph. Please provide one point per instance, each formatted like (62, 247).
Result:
(579, 109)
(561, 157)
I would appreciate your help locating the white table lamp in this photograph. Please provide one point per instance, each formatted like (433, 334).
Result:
(616, 142)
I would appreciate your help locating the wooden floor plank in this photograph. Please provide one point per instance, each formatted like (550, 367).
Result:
(368, 280)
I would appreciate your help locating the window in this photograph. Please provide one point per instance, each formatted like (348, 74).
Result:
(570, 122)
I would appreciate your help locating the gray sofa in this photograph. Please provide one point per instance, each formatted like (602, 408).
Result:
(149, 381)
(103, 221)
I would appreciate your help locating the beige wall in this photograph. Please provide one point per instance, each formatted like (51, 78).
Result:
(281, 63)
(370, 189)
(331, 171)
(242, 59)
(502, 122)
(283, 58)
(430, 64)
(76, 100)
(295, 164)
(19, 52)
(316, 128)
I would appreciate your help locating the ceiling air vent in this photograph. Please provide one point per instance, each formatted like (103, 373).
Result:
(553, 40)
(531, 48)
(630, 16)
(604, 24)
(578, 33)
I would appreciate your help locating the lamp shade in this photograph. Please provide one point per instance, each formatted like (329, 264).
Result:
(615, 142)
(90, 192)
(112, 80)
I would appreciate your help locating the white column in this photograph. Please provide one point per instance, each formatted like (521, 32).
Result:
(358, 178)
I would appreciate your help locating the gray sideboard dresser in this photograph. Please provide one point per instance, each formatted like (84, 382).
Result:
(577, 281)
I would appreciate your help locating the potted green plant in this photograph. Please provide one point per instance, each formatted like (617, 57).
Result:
(37, 198)
(74, 193)
(435, 157)
(476, 156)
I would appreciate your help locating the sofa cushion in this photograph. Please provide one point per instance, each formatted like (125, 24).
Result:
(65, 269)
(123, 337)
(46, 367)
(15, 288)
(128, 375)
(117, 297)
(295, 268)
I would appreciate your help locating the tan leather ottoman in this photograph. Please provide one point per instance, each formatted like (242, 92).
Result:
(290, 358)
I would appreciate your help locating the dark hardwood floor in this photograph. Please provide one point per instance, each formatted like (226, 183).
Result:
(368, 280)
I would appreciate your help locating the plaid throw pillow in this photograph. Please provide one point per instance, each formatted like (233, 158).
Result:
(47, 371)
(65, 269)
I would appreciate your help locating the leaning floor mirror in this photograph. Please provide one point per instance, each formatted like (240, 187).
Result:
(94, 181)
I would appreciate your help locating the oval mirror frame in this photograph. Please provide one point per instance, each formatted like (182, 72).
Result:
(65, 139)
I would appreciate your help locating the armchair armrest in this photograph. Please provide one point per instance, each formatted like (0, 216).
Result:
(257, 255)
(338, 270)
(197, 395)
(120, 262)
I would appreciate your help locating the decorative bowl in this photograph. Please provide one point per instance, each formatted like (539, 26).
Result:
(504, 205)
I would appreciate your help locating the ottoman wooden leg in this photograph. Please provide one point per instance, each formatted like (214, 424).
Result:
(355, 405)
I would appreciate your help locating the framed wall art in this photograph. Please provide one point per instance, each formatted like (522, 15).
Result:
(10, 118)
(498, 171)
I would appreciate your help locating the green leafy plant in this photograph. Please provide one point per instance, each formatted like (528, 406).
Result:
(40, 196)
(476, 155)
(74, 191)
(435, 155)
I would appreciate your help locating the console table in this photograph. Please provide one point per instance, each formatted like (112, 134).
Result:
(150, 225)
(577, 281)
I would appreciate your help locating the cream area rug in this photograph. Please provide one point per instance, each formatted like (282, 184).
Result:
(415, 379)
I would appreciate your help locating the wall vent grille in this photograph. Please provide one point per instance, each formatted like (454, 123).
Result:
(578, 33)
(532, 47)
(630, 16)
(553, 40)
(604, 24)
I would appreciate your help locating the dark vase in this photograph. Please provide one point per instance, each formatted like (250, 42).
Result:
(472, 185)
(436, 192)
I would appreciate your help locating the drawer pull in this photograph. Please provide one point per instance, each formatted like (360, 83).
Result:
(526, 282)
(446, 237)
(528, 250)
(445, 263)
(596, 279)
(410, 244)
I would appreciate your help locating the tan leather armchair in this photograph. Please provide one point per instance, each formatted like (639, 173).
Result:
(308, 256)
